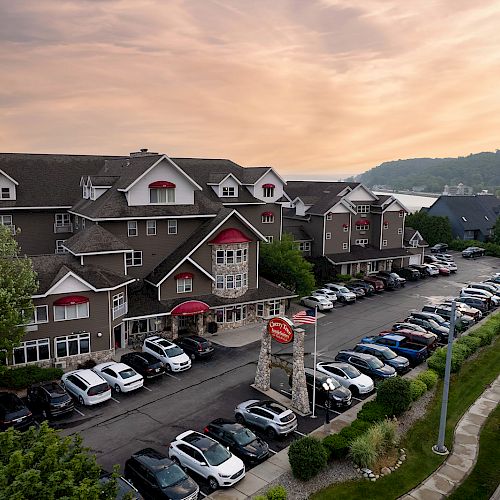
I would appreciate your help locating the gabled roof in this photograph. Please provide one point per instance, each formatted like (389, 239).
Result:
(411, 234)
(218, 178)
(95, 239)
(298, 233)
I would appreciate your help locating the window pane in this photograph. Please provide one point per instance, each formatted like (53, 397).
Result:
(71, 312)
(43, 351)
(58, 312)
(31, 354)
(61, 349)
(73, 347)
(84, 345)
(41, 313)
(83, 310)
(19, 355)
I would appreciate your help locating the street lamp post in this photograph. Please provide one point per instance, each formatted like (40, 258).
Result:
(328, 386)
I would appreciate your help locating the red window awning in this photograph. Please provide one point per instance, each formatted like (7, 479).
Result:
(190, 308)
(161, 184)
(267, 214)
(386, 223)
(230, 235)
(345, 225)
(268, 185)
(183, 276)
(362, 222)
(71, 300)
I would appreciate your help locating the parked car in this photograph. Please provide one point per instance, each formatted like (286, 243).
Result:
(367, 287)
(340, 397)
(465, 309)
(395, 276)
(357, 290)
(415, 353)
(493, 299)
(426, 339)
(325, 292)
(156, 476)
(430, 259)
(196, 347)
(472, 252)
(172, 356)
(439, 248)
(408, 326)
(125, 489)
(87, 386)
(348, 376)
(443, 269)
(431, 270)
(409, 273)
(495, 278)
(342, 293)
(430, 325)
(495, 286)
(421, 269)
(377, 284)
(448, 264)
(386, 355)
(445, 256)
(207, 458)
(121, 377)
(389, 282)
(144, 363)
(49, 399)
(477, 302)
(461, 322)
(490, 287)
(14, 413)
(240, 440)
(274, 419)
(367, 364)
(320, 303)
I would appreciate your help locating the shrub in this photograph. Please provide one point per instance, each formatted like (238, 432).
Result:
(418, 388)
(87, 364)
(363, 451)
(356, 429)
(20, 378)
(373, 411)
(360, 275)
(307, 457)
(484, 334)
(277, 492)
(437, 361)
(388, 428)
(462, 350)
(473, 343)
(336, 446)
(429, 378)
(343, 277)
(395, 395)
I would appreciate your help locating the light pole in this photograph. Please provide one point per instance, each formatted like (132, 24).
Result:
(328, 386)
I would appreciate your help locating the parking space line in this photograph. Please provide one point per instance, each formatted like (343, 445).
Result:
(300, 433)
(115, 400)
(173, 376)
(357, 399)
(147, 388)
(78, 411)
(272, 451)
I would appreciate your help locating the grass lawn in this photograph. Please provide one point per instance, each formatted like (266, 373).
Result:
(484, 479)
(466, 386)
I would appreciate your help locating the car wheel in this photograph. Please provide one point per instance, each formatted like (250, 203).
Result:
(212, 483)
(168, 368)
(81, 401)
(239, 418)
(354, 390)
(271, 433)
(117, 388)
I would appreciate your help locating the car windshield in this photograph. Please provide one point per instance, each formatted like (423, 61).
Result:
(389, 354)
(244, 437)
(433, 323)
(396, 276)
(217, 454)
(59, 399)
(375, 363)
(168, 476)
(173, 352)
(127, 373)
(351, 372)
(343, 289)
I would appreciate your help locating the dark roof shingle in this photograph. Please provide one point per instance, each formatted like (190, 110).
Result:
(95, 239)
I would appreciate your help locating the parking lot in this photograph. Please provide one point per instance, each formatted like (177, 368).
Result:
(154, 415)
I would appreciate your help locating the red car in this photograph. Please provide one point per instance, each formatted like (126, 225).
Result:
(443, 270)
(375, 282)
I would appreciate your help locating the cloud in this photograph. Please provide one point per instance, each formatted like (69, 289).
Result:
(319, 87)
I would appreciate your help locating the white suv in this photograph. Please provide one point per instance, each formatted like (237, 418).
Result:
(87, 386)
(171, 355)
(342, 293)
(208, 458)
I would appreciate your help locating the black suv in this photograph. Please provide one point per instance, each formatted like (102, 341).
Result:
(423, 271)
(462, 322)
(240, 440)
(439, 248)
(473, 252)
(144, 363)
(389, 282)
(14, 413)
(369, 289)
(49, 399)
(196, 347)
(400, 282)
(156, 476)
(477, 302)
(409, 273)
(367, 364)
(386, 355)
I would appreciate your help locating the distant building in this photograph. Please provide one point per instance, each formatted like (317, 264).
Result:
(459, 190)
(471, 217)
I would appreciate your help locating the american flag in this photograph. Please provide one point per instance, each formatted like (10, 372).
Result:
(305, 317)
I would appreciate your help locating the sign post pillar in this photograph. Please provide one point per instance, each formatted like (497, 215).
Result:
(300, 397)
(263, 373)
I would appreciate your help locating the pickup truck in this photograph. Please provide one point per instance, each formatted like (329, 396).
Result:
(427, 339)
(415, 353)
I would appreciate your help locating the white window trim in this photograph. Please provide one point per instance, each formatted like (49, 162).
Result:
(132, 227)
(62, 219)
(35, 315)
(364, 227)
(31, 343)
(68, 338)
(362, 241)
(167, 191)
(345, 246)
(384, 243)
(328, 236)
(269, 239)
(228, 191)
(2, 197)
(131, 256)
(151, 224)
(363, 209)
(268, 192)
(386, 225)
(184, 285)
(329, 216)
(59, 248)
(172, 226)
(65, 312)
(267, 219)
(400, 231)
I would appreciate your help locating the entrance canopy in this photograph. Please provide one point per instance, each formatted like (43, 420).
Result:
(190, 308)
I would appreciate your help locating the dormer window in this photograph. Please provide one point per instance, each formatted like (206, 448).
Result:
(5, 194)
(162, 192)
(363, 209)
(228, 192)
(268, 190)
(86, 192)
(267, 218)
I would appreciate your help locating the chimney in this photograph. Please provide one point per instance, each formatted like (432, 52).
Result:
(142, 152)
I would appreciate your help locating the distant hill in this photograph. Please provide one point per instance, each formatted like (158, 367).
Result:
(480, 171)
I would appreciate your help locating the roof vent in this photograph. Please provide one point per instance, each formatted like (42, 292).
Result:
(142, 152)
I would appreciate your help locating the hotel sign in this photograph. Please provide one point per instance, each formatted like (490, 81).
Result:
(281, 330)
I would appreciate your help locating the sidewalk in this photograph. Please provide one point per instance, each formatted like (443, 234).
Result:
(462, 459)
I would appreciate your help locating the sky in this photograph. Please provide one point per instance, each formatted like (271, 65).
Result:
(316, 88)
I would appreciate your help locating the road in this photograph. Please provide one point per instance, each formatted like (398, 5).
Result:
(154, 415)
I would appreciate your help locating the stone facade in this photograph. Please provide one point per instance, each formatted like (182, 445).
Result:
(230, 269)
(300, 398)
(263, 373)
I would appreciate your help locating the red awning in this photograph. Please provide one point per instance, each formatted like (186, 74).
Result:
(231, 235)
(268, 185)
(190, 308)
(161, 184)
(183, 276)
(362, 222)
(386, 223)
(71, 300)
(345, 225)
(267, 214)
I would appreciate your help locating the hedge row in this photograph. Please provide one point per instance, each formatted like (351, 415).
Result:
(22, 377)
(492, 249)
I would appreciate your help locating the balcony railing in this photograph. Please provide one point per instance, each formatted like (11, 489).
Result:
(120, 310)
(63, 228)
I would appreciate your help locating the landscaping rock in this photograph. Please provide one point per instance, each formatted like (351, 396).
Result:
(371, 475)
(367, 471)
(402, 458)
(372, 479)
(385, 471)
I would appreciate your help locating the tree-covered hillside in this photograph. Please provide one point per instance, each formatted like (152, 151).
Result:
(480, 171)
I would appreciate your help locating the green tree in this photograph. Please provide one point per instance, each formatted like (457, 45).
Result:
(434, 229)
(17, 284)
(39, 464)
(496, 232)
(282, 262)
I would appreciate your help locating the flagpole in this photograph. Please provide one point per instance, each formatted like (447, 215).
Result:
(314, 370)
